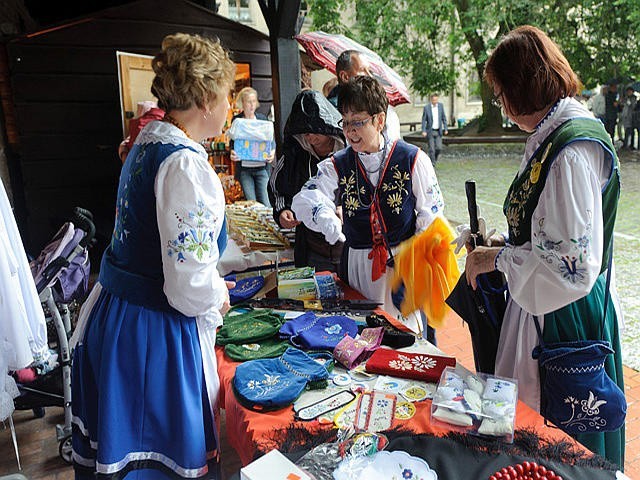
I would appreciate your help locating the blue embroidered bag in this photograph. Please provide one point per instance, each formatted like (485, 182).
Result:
(576, 394)
(311, 332)
(275, 383)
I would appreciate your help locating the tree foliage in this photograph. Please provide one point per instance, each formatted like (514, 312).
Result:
(432, 41)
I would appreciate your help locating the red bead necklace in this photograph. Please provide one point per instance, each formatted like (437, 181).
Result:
(524, 471)
(169, 119)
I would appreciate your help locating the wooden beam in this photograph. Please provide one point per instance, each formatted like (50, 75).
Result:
(282, 20)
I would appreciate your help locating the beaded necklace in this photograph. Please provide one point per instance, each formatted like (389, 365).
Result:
(169, 119)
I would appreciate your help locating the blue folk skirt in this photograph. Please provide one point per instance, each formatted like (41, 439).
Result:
(140, 405)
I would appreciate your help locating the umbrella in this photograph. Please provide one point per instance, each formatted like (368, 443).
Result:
(324, 49)
(483, 308)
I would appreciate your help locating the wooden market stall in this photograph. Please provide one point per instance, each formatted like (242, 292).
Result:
(65, 95)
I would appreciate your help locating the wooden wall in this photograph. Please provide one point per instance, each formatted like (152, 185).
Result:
(64, 84)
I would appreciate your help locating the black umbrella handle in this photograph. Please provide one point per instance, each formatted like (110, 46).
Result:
(472, 206)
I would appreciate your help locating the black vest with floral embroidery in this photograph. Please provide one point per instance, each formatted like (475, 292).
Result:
(525, 191)
(393, 196)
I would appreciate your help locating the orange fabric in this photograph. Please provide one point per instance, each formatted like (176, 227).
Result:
(427, 266)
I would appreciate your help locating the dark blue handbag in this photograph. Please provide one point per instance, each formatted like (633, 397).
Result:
(576, 394)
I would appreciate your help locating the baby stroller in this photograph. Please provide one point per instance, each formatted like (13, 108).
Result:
(61, 273)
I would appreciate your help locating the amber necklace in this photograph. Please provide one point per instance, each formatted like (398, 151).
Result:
(168, 118)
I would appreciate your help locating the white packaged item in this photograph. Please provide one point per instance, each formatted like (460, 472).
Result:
(476, 404)
(250, 129)
(454, 418)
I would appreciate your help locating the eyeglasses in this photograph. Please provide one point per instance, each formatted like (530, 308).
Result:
(496, 101)
(356, 124)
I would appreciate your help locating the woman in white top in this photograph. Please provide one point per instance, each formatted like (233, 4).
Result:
(560, 210)
(145, 382)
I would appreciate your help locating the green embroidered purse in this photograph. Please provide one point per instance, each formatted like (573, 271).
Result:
(249, 327)
(269, 348)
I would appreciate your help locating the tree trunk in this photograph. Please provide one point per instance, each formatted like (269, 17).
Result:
(491, 121)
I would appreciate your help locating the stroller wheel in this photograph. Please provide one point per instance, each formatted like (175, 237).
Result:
(38, 412)
(66, 449)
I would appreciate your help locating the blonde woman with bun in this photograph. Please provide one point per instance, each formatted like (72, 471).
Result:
(145, 382)
(253, 178)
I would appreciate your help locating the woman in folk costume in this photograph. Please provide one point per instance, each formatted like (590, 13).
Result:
(388, 191)
(145, 383)
(560, 209)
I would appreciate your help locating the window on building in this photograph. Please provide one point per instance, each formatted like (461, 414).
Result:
(239, 10)
(474, 88)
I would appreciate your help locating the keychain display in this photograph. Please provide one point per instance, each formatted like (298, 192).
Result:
(405, 410)
(326, 405)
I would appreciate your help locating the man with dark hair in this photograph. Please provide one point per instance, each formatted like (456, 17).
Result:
(388, 191)
(434, 125)
(352, 63)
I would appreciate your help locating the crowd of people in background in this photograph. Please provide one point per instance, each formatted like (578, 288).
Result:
(619, 111)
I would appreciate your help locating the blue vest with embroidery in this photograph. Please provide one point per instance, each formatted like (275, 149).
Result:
(394, 196)
(132, 264)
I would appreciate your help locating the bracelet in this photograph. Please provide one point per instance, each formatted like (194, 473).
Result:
(495, 262)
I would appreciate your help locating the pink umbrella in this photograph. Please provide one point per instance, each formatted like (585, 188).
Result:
(324, 49)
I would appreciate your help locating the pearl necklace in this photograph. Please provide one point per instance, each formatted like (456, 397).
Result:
(169, 119)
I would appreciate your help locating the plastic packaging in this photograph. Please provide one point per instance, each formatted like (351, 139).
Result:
(253, 139)
(477, 404)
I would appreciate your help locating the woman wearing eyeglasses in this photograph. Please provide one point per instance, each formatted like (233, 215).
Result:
(388, 191)
(561, 209)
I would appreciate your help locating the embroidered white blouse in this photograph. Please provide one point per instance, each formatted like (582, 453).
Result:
(315, 206)
(567, 222)
(186, 186)
(324, 191)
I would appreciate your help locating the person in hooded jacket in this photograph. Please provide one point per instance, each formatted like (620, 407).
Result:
(311, 134)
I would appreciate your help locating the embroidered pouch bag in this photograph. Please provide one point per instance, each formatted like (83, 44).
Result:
(245, 288)
(311, 332)
(576, 394)
(269, 348)
(275, 383)
(248, 327)
(417, 366)
(351, 352)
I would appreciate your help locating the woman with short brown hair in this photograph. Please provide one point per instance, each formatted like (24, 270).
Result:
(560, 210)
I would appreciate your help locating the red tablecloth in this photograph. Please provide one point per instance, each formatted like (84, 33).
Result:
(246, 429)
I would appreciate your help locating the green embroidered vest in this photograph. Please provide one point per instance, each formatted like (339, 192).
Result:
(525, 191)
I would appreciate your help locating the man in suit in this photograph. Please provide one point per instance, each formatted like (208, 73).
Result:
(434, 125)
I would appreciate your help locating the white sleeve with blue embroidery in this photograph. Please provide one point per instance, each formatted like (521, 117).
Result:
(562, 261)
(429, 201)
(190, 209)
(314, 205)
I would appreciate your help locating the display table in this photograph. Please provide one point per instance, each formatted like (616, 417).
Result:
(235, 260)
(249, 431)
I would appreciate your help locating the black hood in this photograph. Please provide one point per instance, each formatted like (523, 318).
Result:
(313, 113)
